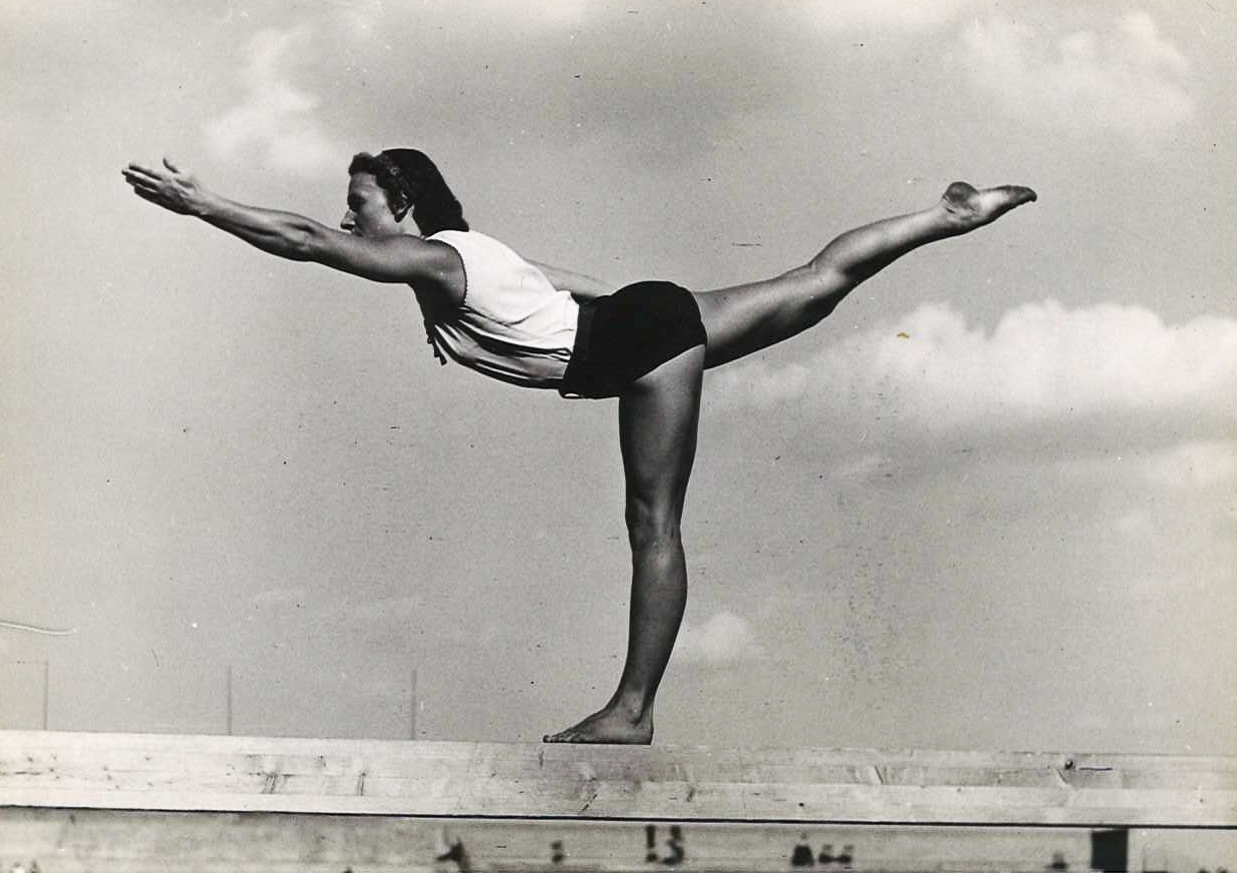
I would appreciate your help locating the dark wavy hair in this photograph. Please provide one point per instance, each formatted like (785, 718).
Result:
(410, 179)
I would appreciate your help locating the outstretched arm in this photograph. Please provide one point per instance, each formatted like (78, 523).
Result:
(402, 258)
(580, 286)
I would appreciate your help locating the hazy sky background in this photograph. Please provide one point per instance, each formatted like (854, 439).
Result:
(991, 503)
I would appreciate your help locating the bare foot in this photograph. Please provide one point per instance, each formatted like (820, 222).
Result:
(967, 207)
(607, 726)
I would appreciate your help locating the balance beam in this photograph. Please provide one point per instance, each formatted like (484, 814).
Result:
(204, 785)
(646, 783)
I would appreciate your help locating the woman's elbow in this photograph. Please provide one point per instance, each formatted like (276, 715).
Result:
(307, 242)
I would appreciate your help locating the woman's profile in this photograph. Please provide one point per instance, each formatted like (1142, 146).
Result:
(538, 326)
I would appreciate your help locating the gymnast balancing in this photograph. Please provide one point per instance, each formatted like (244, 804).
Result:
(543, 327)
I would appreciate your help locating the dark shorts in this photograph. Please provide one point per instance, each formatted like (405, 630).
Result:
(629, 333)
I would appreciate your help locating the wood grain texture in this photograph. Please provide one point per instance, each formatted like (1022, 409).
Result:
(658, 783)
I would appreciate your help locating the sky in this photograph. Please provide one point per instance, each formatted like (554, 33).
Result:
(990, 503)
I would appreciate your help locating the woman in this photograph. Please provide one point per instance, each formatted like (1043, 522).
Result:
(535, 325)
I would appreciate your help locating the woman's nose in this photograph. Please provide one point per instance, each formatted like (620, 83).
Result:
(349, 221)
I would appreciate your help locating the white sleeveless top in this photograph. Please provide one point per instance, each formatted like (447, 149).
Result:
(512, 324)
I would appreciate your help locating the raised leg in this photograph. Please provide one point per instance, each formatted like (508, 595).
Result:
(746, 318)
(658, 417)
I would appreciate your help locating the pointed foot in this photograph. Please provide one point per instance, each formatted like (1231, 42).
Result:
(967, 207)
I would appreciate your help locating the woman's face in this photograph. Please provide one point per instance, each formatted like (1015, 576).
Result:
(369, 214)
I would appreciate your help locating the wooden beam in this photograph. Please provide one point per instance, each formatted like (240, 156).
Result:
(60, 770)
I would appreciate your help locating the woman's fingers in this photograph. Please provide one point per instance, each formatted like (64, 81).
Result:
(144, 184)
(139, 174)
(146, 171)
(136, 181)
(141, 183)
(171, 188)
(148, 195)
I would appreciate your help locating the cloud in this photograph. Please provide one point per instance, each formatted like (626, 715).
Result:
(1186, 479)
(1125, 79)
(880, 14)
(1197, 464)
(1042, 362)
(275, 120)
(724, 637)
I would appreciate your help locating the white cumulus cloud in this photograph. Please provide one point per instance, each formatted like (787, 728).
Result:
(724, 637)
(1200, 464)
(1041, 362)
(1125, 78)
(275, 121)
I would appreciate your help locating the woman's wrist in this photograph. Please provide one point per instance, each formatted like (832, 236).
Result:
(203, 204)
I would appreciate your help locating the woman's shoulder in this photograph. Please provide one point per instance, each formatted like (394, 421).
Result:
(450, 234)
(476, 242)
(469, 235)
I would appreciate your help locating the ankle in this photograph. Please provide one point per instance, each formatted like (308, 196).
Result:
(952, 219)
(631, 708)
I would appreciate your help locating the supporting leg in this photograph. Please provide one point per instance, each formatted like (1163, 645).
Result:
(746, 318)
(658, 417)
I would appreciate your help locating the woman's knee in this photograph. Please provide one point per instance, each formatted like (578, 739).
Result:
(748, 318)
(650, 525)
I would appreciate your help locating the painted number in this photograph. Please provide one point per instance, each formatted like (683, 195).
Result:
(801, 856)
(676, 853)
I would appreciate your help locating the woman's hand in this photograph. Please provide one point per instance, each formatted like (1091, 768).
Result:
(580, 286)
(174, 189)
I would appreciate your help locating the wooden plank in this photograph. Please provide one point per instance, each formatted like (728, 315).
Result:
(666, 783)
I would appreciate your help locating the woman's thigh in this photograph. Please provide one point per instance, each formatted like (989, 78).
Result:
(746, 318)
(658, 419)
